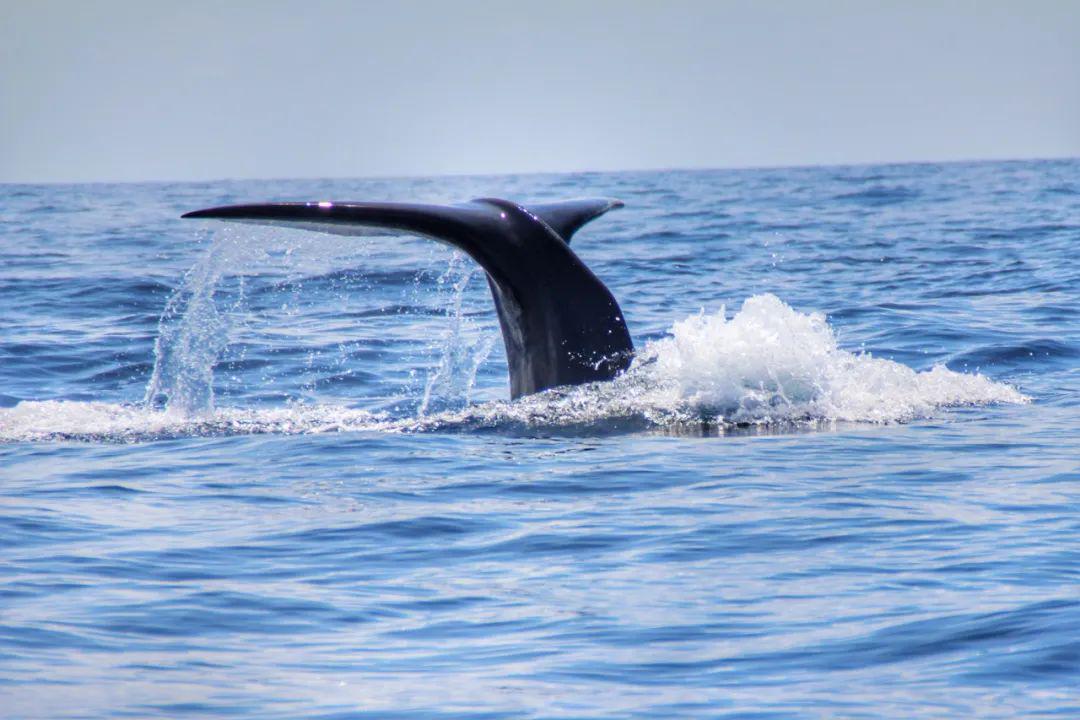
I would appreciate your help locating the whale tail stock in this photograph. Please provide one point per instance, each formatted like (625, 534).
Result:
(560, 324)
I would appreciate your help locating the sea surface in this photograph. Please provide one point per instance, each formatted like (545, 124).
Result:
(255, 472)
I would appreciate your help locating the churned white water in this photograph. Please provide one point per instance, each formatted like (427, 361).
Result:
(768, 364)
(772, 363)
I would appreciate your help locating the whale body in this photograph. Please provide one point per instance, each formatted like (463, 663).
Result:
(560, 324)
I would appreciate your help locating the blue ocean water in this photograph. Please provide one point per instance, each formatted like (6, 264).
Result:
(257, 472)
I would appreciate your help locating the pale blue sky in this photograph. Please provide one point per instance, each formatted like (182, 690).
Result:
(111, 90)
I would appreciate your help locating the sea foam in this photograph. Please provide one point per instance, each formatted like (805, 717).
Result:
(767, 365)
(771, 363)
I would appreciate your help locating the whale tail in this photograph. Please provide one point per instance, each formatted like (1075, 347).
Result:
(560, 324)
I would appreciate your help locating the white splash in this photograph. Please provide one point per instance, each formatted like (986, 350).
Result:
(767, 366)
(199, 323)
(193, 331)
(111, 422)
(770, 363)
(463, 348)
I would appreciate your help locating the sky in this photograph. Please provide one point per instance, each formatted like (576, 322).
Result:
(112, 90)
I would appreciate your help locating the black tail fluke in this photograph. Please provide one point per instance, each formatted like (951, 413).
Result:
(560, 324)
(568, 216)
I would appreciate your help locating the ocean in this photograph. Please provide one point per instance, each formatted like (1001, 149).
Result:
(257, 472)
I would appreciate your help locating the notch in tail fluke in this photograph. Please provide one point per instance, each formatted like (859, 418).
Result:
(560, 324)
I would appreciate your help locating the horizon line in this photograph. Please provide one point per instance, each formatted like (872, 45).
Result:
(685, 168)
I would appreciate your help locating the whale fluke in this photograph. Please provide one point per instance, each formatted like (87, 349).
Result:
(560, 324)
(568, 216)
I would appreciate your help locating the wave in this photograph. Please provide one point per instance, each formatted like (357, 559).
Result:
(881, 195)
(767, 366)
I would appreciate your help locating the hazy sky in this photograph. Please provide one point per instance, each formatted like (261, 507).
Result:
(110, 90)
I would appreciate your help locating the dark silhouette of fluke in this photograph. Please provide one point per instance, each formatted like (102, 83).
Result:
(560, 324)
